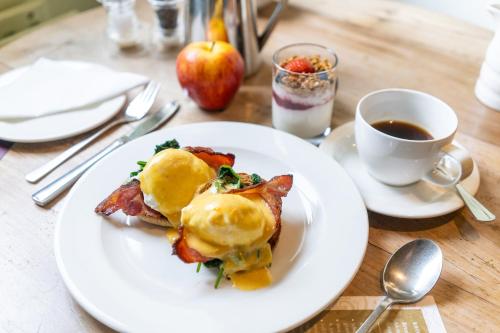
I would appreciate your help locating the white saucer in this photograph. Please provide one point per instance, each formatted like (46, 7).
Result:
(419, 200)
(57, 126)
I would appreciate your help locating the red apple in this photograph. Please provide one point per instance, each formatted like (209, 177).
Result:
(211, 72)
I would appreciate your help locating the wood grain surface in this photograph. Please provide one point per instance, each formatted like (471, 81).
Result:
(380, 44)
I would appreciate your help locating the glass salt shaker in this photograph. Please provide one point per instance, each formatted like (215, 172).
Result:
(168, 31)
(123, 26)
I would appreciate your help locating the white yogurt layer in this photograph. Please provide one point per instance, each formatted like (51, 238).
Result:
(304, 123)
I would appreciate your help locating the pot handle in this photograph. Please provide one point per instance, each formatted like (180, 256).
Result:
(264, 36)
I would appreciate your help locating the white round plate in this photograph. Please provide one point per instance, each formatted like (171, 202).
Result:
(58, 126)
(122, 271)
(419, 200)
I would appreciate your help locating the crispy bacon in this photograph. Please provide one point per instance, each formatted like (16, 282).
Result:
(184, 252)
(213, 159)
(130, 200)
(271, 191)
(278, 185)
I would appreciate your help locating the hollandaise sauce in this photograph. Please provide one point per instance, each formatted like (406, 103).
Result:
(250, 271)
(170, 180)
(172, 235)
(258, 258)
(251, 280)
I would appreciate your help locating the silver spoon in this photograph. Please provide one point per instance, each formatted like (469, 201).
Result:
(136, 110)
(411, 272)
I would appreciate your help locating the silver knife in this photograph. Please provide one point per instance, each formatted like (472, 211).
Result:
(52, 190)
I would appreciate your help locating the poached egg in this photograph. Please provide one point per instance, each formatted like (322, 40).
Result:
(170, 180)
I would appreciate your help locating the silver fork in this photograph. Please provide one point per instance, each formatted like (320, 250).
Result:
(136, 110)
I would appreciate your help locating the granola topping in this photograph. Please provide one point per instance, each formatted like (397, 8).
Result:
(306, 83)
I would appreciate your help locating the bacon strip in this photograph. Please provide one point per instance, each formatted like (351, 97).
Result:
(278, 185)
(213, 159)
(184, 252)
(271, 191)
(130, 200)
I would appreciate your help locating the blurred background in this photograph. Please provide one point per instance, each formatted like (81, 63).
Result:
(473, 11)
(19, 16)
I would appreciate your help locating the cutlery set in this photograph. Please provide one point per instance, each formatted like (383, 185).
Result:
(136, 110)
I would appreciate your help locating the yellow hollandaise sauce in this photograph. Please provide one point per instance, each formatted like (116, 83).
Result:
(170, 180)
(235, 229)
(172, 235)
(251, 280)
(239, 261)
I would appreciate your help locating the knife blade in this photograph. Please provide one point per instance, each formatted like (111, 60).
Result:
(48, 193)
(153, 121)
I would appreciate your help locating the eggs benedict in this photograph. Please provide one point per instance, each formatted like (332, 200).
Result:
(165, 184)
(233, 226)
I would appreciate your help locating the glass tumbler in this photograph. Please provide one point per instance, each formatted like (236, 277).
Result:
(123, 27)
(304, 87)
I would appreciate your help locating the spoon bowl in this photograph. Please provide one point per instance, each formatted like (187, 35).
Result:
(411, 272)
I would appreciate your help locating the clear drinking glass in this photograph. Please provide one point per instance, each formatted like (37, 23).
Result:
(168, 31)
(303, 101)
(123, 27)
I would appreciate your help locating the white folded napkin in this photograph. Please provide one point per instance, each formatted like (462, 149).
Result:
(50, 86)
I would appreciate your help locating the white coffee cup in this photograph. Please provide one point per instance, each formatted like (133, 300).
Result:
(397, 161)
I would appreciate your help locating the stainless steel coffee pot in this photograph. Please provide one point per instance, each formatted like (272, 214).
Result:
(234, 21)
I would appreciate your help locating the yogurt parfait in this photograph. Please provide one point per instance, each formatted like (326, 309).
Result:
(304, 87)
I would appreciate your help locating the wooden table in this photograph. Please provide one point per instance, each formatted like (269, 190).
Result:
(380, 44)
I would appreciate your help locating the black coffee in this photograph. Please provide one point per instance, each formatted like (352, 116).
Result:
(402, 129)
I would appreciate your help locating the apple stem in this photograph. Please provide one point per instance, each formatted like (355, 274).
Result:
(212, 46)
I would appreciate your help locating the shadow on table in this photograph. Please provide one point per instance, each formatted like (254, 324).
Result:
(461, 219)
(4, 147)
(385, 222)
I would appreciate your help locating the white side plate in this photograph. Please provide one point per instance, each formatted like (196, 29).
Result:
(57, 126)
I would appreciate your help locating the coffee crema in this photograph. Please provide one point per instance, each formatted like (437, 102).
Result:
(402, 129)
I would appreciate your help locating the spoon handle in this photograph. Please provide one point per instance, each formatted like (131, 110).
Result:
(480, 212)
(372, 318)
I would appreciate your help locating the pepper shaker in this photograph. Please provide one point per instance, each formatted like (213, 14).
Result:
(168, 31)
